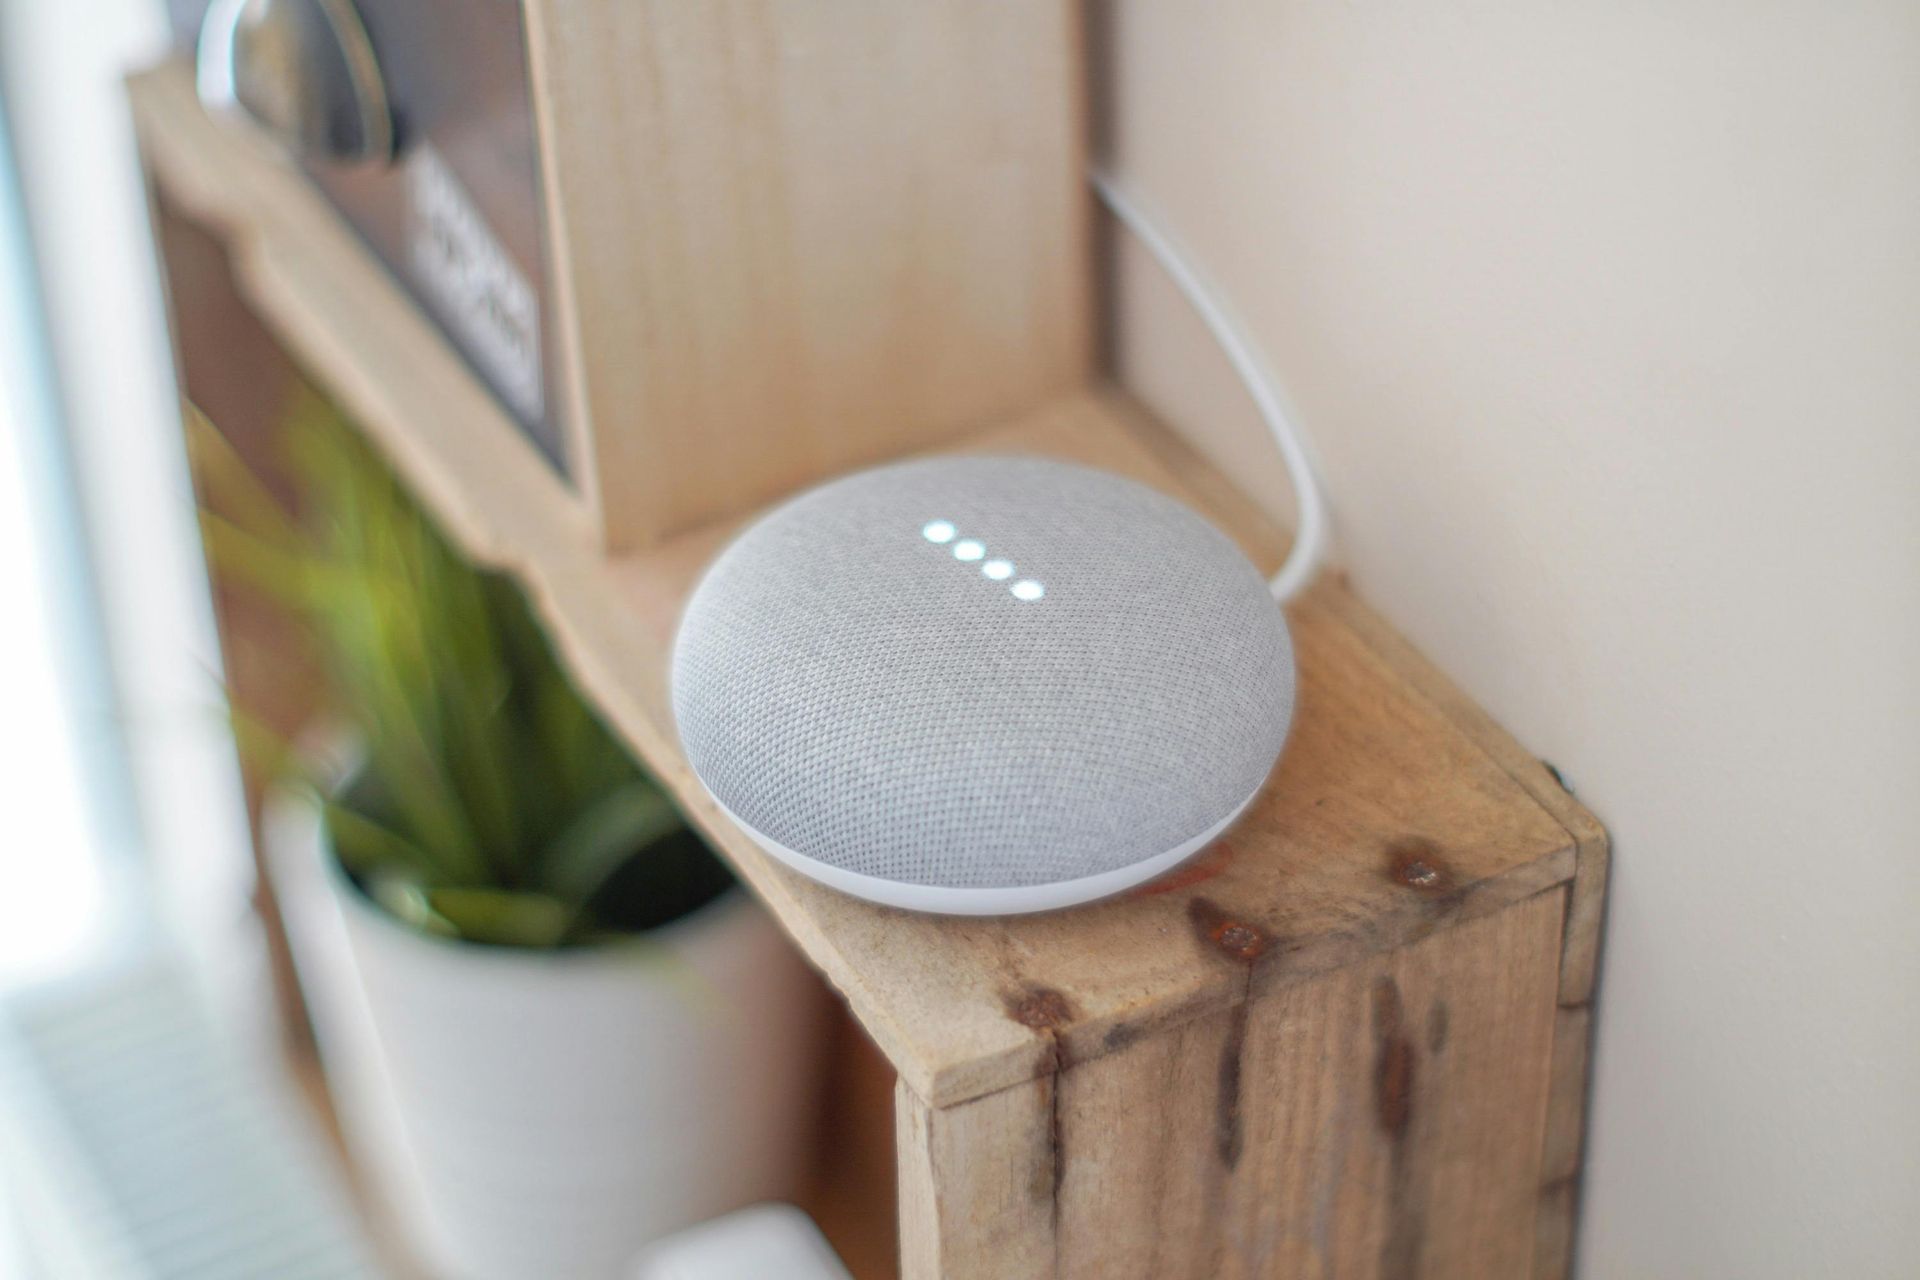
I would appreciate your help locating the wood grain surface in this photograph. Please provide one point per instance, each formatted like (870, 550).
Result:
(1379, 1120)
(787, 239)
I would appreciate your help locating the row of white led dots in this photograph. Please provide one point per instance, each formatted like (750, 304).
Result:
(969, 550)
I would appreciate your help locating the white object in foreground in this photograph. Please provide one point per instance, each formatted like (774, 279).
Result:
(766, 1241)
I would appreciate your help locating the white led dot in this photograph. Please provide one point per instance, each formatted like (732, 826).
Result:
(998, 570)
(1027, 589)
(969, 549)
(938, 531)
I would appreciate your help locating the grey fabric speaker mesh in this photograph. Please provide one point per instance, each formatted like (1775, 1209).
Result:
(857, 694)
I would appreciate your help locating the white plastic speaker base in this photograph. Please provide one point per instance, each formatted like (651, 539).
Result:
(1012, 900)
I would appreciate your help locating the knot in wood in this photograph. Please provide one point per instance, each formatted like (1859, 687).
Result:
(1235, 939)
(1041, 1008)
(1415, 863)
(1241, 941)
(1419, 874)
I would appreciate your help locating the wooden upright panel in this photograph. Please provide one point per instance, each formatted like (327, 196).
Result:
(1381, 1120)
(792, 237)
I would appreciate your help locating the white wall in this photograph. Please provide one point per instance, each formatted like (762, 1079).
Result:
(1606, 320)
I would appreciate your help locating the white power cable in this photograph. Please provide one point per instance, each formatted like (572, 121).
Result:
(1310, 539)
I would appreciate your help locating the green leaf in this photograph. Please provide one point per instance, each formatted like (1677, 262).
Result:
(499, 805)
(604, 836)
(410, 903)
(503, 917)
(371, 849)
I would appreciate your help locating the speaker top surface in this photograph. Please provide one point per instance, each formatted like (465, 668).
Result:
(982, 685)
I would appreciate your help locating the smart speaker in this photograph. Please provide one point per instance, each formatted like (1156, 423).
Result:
(982, 685)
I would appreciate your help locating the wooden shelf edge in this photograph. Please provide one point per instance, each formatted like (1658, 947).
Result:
(1392, 751)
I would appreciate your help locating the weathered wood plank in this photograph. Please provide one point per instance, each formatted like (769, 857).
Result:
(1563, 1146)
(977, 1185)
(1581, 932)
(1379, 1120)
(1580, 957)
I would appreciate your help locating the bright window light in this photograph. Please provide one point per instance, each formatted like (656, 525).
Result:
(50, 882)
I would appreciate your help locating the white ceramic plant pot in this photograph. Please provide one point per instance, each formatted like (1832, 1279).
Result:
(524, 1115)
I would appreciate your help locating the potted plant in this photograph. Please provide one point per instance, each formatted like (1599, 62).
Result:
(553, 1025)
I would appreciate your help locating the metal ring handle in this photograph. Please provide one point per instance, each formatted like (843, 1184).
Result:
(305, 71)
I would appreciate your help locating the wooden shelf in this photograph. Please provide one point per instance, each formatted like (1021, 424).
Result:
(1399, 809)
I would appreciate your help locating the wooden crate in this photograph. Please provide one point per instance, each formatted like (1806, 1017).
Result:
(1348, 1039)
